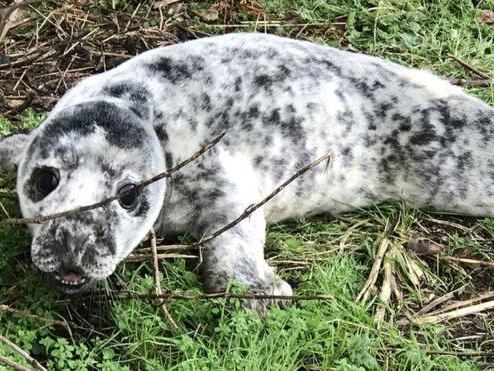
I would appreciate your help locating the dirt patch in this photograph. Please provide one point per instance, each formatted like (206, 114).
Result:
(51, 46)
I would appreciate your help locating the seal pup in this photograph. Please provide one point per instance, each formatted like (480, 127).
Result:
(394, 134)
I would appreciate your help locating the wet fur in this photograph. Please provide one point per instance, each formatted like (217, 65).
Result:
(394, 134)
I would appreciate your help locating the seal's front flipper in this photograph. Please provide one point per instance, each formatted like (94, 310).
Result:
(11, 151)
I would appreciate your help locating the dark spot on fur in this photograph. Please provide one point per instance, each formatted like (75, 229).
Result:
(229, 103)
(238, 84)
(135, 95)
(168, 160)
(311, 106)
(171, 70)
(206, 102)
(142, 208)
(465, 161)
(108, 170)
(290, 109)
(263, 81)
(274, 118)
(426, 133)
(161, 133)
(253, 111)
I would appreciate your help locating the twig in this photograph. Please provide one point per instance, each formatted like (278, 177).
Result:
(249, 210)
(163, 248)
(4, 210)
(471, 82)
(376, 266)
(463, 303)
(455, 313)
(349, 232)
(440, 300)
(451, 224)
(385, 294)
(65, 324)
(145, 257)
(41, 219)
(374, 28)
(489, 354)
(274, 24)
(6, 308)
(136, 257)
(23, 353)
(14, 365)
(447, 352)
(247, 296)
(159, 4)
(481, 263)
(223, 295)
(288, 262)
(470, 67)
(156, 274)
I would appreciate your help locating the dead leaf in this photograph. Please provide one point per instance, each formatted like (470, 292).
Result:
(15, 103)
(208, 15)
(486, 16)
(8, 17)
(162, 3)
(423, 247)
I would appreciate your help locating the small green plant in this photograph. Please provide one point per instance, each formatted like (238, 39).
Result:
(111, 3)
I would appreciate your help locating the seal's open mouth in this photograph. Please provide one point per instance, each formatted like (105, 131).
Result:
(71, 279)
(70, 282)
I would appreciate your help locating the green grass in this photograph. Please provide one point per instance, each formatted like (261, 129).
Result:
(336, 334)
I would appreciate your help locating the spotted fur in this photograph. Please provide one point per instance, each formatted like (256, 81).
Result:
(394, 134)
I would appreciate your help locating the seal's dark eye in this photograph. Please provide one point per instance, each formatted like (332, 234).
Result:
(46, 180)
(128, 200)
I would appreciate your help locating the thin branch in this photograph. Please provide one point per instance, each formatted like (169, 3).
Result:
(473, 309)
(23, 353)
(374, 273)
(446, 352)
(249, 210)
(440, 300)
(247, 296)
(163, 248)
(145, 257)
(386, 291)
(471, 82)
(463, 303)
(223, 295)
(41, 219)
(467, 65)
(480, 263)
(13, 364)
(263, 24)
(384, 246)
(156, 275)
(6, 308)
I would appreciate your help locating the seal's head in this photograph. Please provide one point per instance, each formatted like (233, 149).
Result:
(82, 155)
